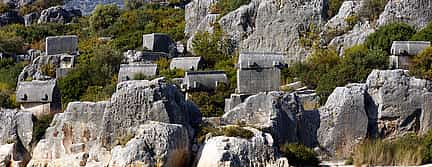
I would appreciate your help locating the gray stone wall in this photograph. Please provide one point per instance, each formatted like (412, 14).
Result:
(259, 80)
(61, 44)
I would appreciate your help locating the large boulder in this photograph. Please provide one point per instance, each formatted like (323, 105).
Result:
(273, 112)
(353, 37)
(138, 102)
(57, 14)
(71, 136)
(16, 127)
(339, 21)
(344, 120)
(92, 134)
(416, 13)
(156, 144)
(231, 151)
(396, 102)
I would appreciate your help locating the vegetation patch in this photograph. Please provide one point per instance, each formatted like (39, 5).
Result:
(299, 155)
(383, 38)
(39, 127)
(223, 7)
(228, 131)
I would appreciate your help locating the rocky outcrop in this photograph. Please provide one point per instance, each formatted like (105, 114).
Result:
(271, 25)
(31, 18)
(16, 127)
(57, 14)
(137, 102)
(396, 102)
(426, 116)
(273, 112)
(230, 151)
(339, 21)
(10, 17)
(114, 133)
(344, 120)
(71, 136)
(156, 144)
(417, 13)
(195, 12)
(353, 37)
(16, 136)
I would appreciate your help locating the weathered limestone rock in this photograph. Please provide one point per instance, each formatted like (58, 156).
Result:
(13, 155)
(195, 11)
(56, 14)
(31, 18)
(274, 112)
(344, 120)
(348, 8)
(16, 127)
(416, 13)
(396, 102)
(71, 136)
(230, 151)
(356, 36)
(267, 26)
(156, 144)
(138, 102)
(6, 152)
(426, 116)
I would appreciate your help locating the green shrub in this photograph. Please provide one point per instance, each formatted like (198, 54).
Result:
(299, 155)
(334, 6)
(223, 7)
(352, 20)
(421, 64)
(427, 147)
(3, 7)
(383, 38)
(212, 104)
(39, 127)
(424, 35)
(103, 17)
(48, 70)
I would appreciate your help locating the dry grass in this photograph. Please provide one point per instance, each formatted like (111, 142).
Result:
(404, 151)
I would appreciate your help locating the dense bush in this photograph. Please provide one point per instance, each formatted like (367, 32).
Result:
(324, 70)
(103, 17)
(299, 155)
(421, 64)
(223, 7)
(334, 6)
(211, 104)
(385, 35)
(424, 35)
(39, 127)
(10, 43)
(98, 68)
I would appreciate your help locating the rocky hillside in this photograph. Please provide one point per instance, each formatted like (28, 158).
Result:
(285, 26)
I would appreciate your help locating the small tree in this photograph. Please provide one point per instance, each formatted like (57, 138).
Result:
(421, 65)
(103, 17)
(385, 35)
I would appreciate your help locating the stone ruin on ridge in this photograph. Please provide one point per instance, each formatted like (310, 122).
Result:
(134, 70)
(403, 51)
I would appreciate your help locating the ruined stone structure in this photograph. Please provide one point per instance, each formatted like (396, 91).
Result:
(131, 71)
(203, 80)
(133, 56)
(403, 51)
(186, 63)
(158, 42)
(259, 72)
(39, 97)
(61, 45)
